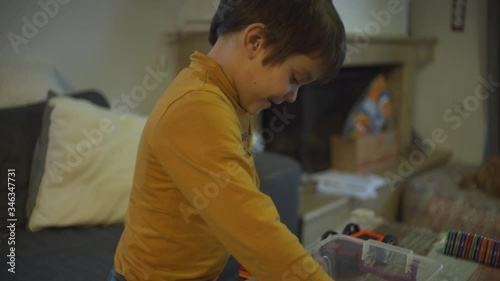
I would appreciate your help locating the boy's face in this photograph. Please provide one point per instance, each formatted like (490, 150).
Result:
(260, 86)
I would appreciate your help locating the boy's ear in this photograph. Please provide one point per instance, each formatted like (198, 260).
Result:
(253, 39)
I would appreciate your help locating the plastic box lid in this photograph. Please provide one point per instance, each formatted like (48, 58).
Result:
(348, 258)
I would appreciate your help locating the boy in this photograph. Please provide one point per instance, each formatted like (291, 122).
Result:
(195, 197)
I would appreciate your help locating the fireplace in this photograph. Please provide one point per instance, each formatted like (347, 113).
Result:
(302, 130)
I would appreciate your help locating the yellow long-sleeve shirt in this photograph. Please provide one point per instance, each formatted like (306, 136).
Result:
(195, 195)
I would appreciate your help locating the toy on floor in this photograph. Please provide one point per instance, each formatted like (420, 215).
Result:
(343, 260)
(372, 113)
(352, 229)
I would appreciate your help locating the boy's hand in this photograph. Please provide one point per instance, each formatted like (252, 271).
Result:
(253, 279)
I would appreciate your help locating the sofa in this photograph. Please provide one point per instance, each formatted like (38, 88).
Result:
(51, 247)
(433, 200)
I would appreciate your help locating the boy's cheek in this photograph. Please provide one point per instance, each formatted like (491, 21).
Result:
(251, 77)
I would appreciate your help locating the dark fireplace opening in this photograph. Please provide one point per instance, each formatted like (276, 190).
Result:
(303, 129)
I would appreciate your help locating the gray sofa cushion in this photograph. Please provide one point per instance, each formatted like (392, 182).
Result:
(19, 132)
(280, 179)
(64, 254)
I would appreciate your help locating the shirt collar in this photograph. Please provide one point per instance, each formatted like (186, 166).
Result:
(199, 60)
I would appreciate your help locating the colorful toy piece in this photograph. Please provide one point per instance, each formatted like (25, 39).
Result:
(352, 229)
(473, 247)
(372, 113)
(243, 274)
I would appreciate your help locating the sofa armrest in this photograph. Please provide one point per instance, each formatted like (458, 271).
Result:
(280, 179)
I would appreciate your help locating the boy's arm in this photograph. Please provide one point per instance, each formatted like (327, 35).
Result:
(199, 145)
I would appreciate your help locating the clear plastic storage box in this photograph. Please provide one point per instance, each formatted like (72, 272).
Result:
(353, 259)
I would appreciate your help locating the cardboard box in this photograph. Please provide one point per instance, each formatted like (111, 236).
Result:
(368, 153)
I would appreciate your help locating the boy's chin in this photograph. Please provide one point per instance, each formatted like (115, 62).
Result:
(254, 109)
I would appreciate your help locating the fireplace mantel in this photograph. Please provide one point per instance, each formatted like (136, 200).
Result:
(384, 50)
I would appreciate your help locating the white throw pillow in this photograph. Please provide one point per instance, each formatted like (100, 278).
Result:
(89, 166)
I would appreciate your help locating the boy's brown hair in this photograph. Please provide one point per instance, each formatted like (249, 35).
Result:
(307, 27)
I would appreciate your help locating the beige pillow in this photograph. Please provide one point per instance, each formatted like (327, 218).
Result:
(89, 166)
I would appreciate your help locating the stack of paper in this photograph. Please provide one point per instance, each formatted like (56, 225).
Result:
(351, 184)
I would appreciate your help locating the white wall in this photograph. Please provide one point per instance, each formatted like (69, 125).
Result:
(357, 15)
(107, 45)
(452, 77)
(104, 45)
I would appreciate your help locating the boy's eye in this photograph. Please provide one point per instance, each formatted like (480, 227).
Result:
(294, 80)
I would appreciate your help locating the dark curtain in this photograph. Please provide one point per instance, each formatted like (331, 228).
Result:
(493, 124)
